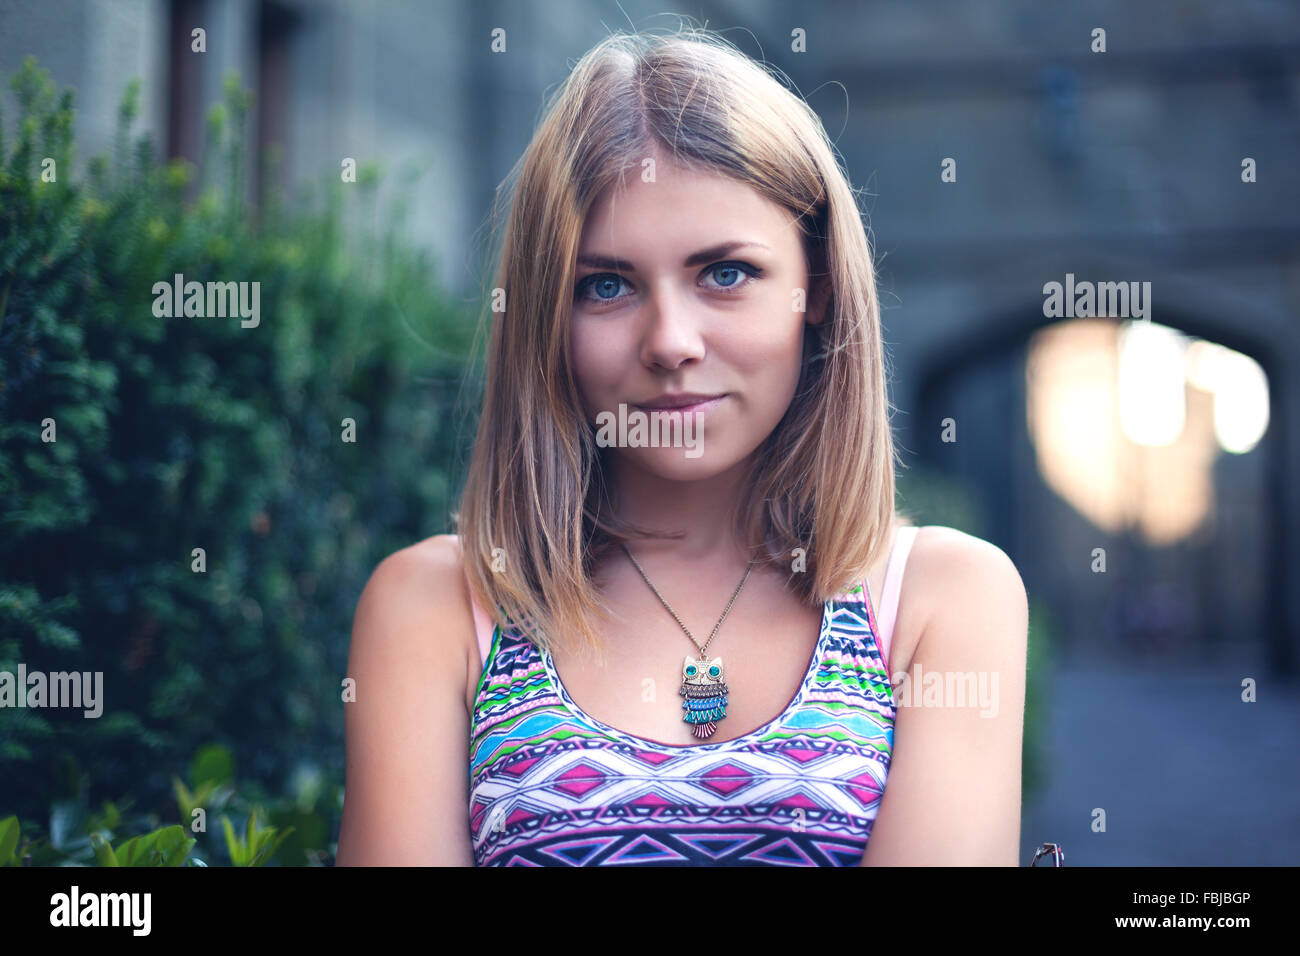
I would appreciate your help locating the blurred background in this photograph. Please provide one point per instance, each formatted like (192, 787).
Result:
(192, 507)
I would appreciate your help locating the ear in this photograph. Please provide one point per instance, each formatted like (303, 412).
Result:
(819, 286)
(819, 297)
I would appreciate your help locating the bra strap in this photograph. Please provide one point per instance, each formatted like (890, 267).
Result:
(893, 586)
(483, 626)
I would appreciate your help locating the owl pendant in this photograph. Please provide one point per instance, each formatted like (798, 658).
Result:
(705, 695)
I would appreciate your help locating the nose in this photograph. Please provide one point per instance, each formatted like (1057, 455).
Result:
(672, 334)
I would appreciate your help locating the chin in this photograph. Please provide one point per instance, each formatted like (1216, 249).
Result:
(671, 464)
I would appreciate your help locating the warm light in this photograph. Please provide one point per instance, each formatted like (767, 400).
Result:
(1203, 362)
(1126, 420)
(1073, 418)
(1240, 390)
(1152, 403)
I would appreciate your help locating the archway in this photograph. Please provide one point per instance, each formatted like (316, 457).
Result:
(1226, 581)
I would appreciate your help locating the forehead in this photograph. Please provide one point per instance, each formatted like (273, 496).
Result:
(671, 205)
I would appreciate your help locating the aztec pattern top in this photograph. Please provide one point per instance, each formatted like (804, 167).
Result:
(550, 785)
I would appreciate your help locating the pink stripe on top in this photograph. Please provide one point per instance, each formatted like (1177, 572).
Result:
(483, 625)
(893, 586)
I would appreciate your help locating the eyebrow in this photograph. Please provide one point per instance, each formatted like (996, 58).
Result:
(597, 261)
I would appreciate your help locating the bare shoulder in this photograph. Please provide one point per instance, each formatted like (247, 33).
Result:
(940, 548)
(954, 576)
(423, 582)
(957, 758)
(406, 727)
(426, 570)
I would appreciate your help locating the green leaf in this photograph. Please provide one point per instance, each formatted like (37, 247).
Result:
(138, 851)
(111, 815)
(234, 846)
(103, 852)
(179, 855)
(184, 798)
(268, 851)
(174, 845)
(8, 841)
(212, 762)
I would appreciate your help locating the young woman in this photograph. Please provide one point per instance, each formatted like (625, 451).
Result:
(682, 236)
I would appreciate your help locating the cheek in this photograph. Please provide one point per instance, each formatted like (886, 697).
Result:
(770, 355)
(596, 364)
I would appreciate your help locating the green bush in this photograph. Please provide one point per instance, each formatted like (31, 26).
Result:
(174, 434)
(77, 837)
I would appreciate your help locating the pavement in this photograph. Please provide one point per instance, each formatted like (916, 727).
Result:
(1187, 773)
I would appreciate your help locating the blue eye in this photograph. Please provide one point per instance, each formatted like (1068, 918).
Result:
(714, 671)
(606, 284)
(690, 671)
(601, 281)
(738, 269)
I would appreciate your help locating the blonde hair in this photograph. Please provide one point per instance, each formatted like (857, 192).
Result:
(823, 480)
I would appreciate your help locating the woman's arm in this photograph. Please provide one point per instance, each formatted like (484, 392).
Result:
(952, 797)
(406, 799)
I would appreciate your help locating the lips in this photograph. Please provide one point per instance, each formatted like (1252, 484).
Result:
(696, 409)
(682, 401)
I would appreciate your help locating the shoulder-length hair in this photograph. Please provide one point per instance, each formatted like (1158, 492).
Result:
(535, 512)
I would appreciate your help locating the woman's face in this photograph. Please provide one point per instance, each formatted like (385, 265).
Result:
(692, 283)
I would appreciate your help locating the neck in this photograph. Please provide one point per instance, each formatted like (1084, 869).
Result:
(702, 511)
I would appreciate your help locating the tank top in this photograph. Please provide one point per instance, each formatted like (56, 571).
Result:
(550, 785)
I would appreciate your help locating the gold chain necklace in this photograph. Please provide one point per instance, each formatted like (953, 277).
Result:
(703, 688)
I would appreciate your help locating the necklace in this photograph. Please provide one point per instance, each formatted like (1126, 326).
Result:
(703, 688)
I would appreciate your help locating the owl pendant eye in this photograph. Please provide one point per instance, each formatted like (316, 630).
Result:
(705, 695)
